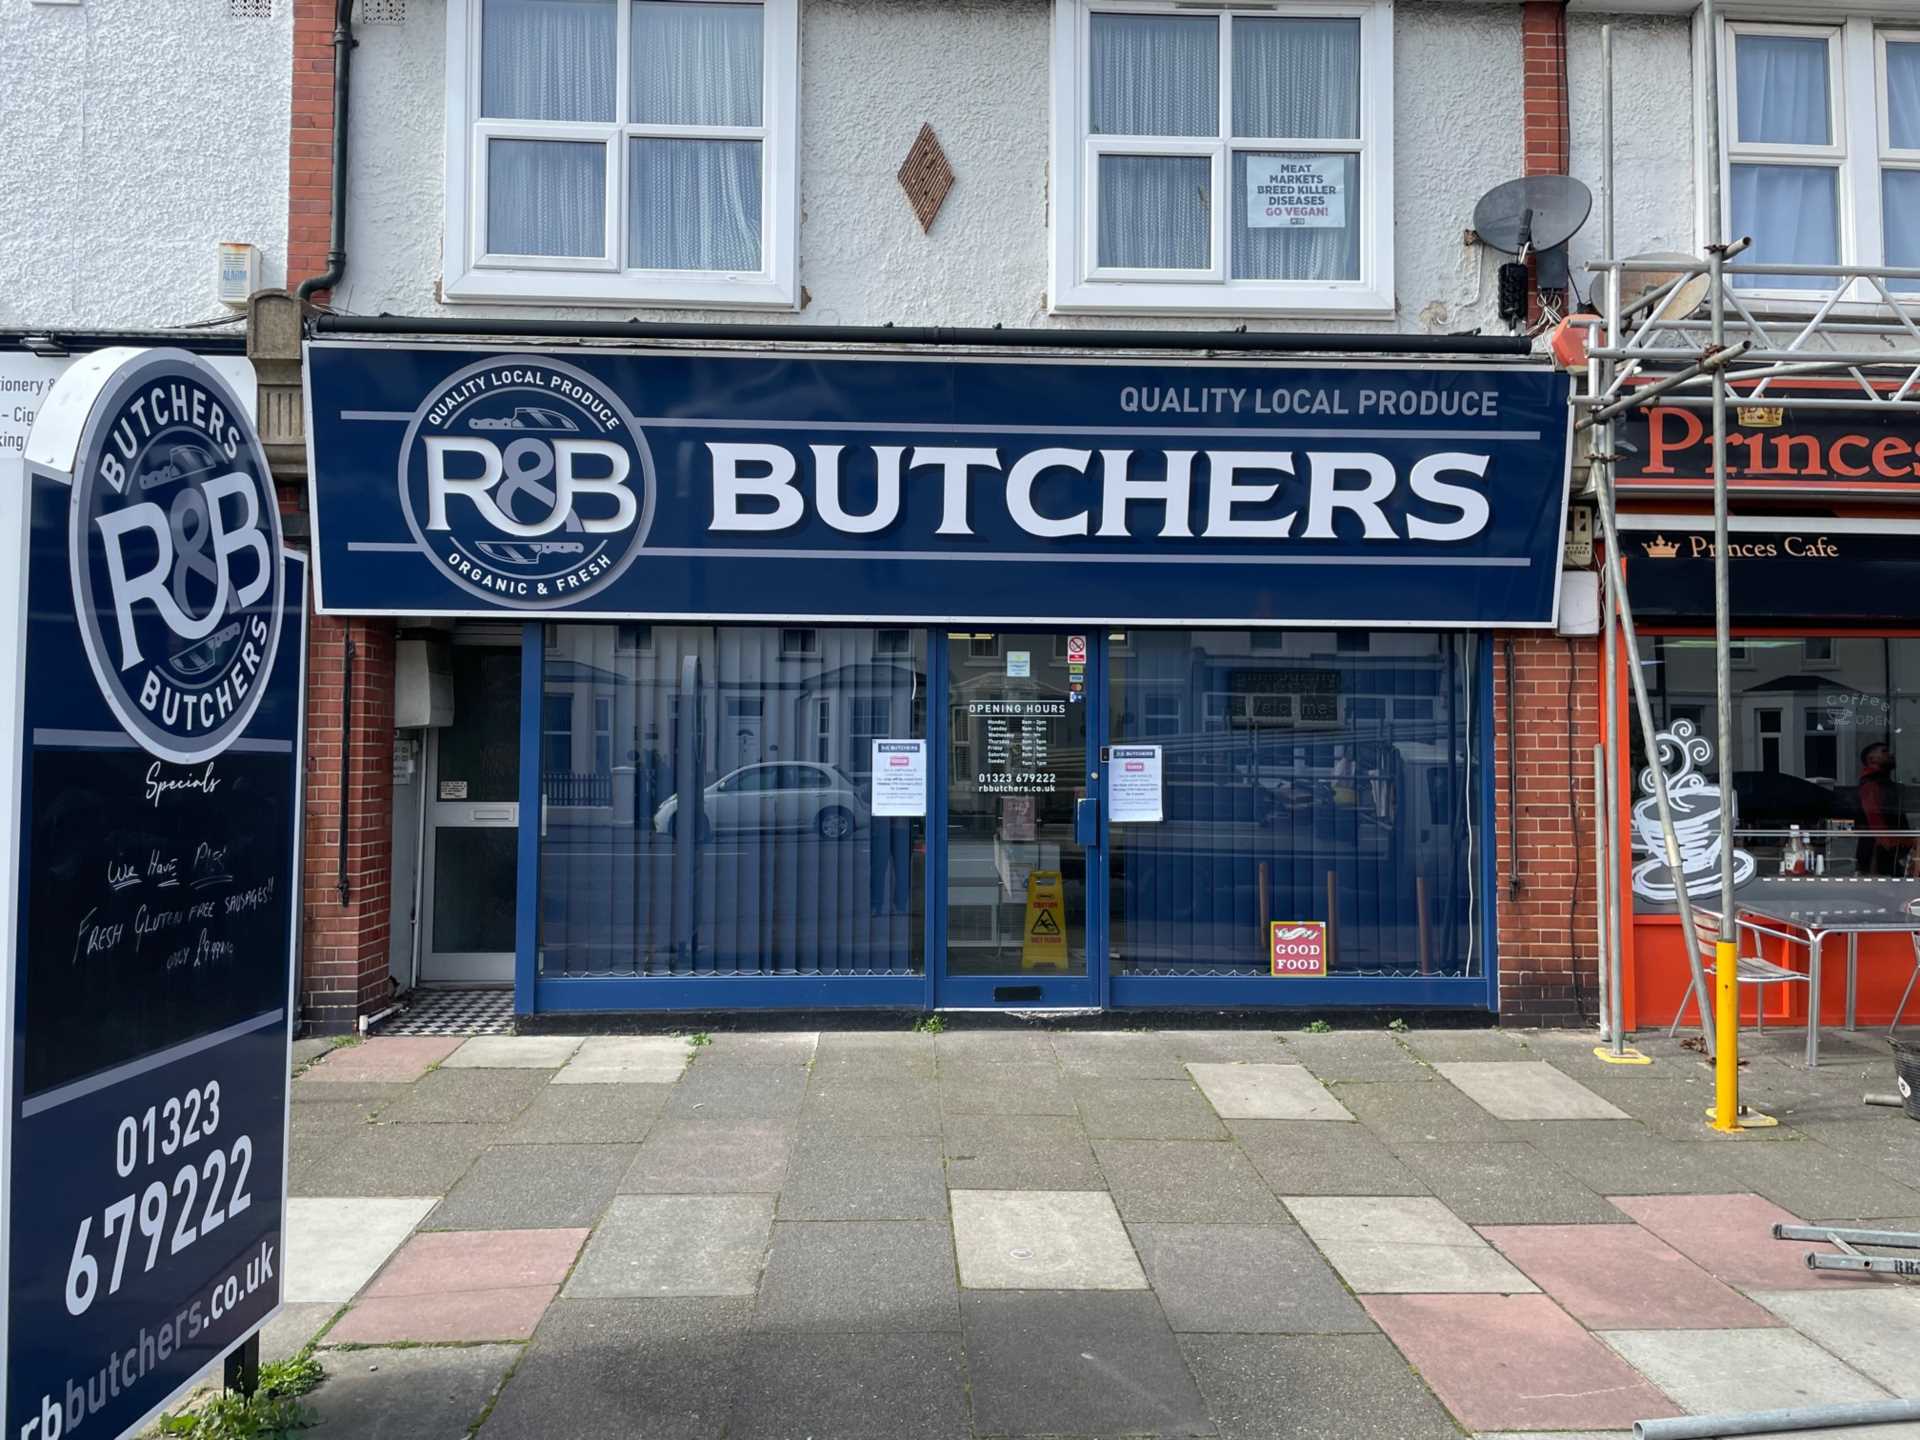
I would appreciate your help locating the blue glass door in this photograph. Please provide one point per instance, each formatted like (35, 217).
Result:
(1024, 859)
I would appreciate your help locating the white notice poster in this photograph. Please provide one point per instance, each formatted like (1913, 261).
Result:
(899, 777)
(1133, 784)
(1296, 192)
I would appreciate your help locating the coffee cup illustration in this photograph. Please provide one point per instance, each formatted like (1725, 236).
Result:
(1695, 803)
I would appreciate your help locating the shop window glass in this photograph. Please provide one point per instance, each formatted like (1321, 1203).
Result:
(782, 870)
(1293, 781)
(1818, 727)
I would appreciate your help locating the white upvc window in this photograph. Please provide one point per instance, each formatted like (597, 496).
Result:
(1822, 141)
(623, 152)
(1222, 161)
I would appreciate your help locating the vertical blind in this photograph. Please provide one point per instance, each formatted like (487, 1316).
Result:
(1295, 776)
(758, 734)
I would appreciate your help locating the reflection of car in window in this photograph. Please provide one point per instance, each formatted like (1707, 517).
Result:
(776, 795)
(527, 417)
(1768, 800)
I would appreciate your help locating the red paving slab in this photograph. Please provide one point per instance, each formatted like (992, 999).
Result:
(452, 1262)
(1515, 1362)
(1621, 1277)
(469, 1315)
(1732, 1237)
(460, 1285)
(384, 1058)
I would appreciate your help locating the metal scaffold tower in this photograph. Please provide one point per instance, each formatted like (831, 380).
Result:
(1696, 333)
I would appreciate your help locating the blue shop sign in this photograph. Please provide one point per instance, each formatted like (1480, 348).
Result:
(724, 486)
(155, 647)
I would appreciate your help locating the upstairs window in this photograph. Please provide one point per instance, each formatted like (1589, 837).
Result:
(622, 151)
(1221, 162)
(1822, 127)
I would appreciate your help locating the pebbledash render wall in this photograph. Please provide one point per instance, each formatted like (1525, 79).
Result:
(1482, 93)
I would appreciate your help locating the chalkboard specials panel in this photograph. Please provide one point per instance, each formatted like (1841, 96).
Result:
(152, 647)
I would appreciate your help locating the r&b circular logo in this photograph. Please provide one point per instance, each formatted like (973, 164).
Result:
(526, 481)
(174, 539)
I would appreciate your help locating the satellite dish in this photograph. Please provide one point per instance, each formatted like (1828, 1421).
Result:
(1537, 213)
(1641, 289)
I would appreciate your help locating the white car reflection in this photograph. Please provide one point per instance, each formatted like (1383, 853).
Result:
(776, 795)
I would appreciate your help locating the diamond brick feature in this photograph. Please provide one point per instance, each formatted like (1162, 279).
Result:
(926, 176)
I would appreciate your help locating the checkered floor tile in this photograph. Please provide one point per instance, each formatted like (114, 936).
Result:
(453, 1012)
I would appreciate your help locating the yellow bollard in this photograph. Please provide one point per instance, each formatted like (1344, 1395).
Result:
(1726, 1021)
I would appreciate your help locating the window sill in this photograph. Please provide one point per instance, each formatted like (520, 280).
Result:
(559, 287)
(1114, 298)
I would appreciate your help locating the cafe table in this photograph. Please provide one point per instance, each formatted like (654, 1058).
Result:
(1811, 909)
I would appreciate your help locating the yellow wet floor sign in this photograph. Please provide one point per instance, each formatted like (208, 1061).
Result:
(1044, 943)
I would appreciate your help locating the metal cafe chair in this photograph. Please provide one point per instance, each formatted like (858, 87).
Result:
(1906, 994)
(1753, 969)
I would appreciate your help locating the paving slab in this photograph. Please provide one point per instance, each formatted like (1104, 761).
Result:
(376, 1095)
(1313, 1387)
(1265, 1092)
(1713, 1372)
(460, 1097)
(865, 1177)
(859, 1276)
(462, 1286)
(1622, 1277)
(625, 1370)
(627, 1060)
(751, 1048)
(1245, 1279)
(1020, 1088)
(1145, 1110)
(289, 1332)
(383, 1059)
(1019, 1152)
(1434, 1046)
(1527, 1090)
(666, 1245)
(1042, 1240)
(408, 1394)
(1197, 1180)
(961, 1050)
(1731, 1236)
(513, 1052)
(1054, 1362)
(1404, 1245)
(1410, 1113)
(534, 1187)
(862, 1103)
(852, 1387)
(1876, 1331)
(739, 1092)
(1890, 1145)
(1505, 1183)
(1611, 1158)
(1249, 1045)
(1808, 1177)
(1307, 1157)
(393, 1160)
(711, 1157)
(905, 1054)
(1365, 1055)
(1515, 1362)
(335, 1246)
(588, 1115)
(1117, 1055)
(309, 1048)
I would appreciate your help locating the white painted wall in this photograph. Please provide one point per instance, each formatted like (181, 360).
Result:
(872, 72)
(135, 136)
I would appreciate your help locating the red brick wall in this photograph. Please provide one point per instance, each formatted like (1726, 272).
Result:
(1546, 926)
(310, 152)
(344, 945)
(1544, 96)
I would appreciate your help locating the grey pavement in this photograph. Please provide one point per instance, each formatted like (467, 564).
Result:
(1024, 1231)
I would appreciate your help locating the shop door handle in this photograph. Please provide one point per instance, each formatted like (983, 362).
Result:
(1086, 822)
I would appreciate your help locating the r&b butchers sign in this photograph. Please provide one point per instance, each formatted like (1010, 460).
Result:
(793, 487)
(155, 647)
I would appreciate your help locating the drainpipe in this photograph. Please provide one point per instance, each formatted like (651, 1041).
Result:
(343, 43)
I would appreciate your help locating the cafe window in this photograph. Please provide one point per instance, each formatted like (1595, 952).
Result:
(622, 151)
(728, 843)
(1323, 784)
(1819, 727)
(1823, 147)
(1222, 161)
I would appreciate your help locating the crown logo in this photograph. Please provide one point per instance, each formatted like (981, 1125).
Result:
(1762, 417)
(1660, 548)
